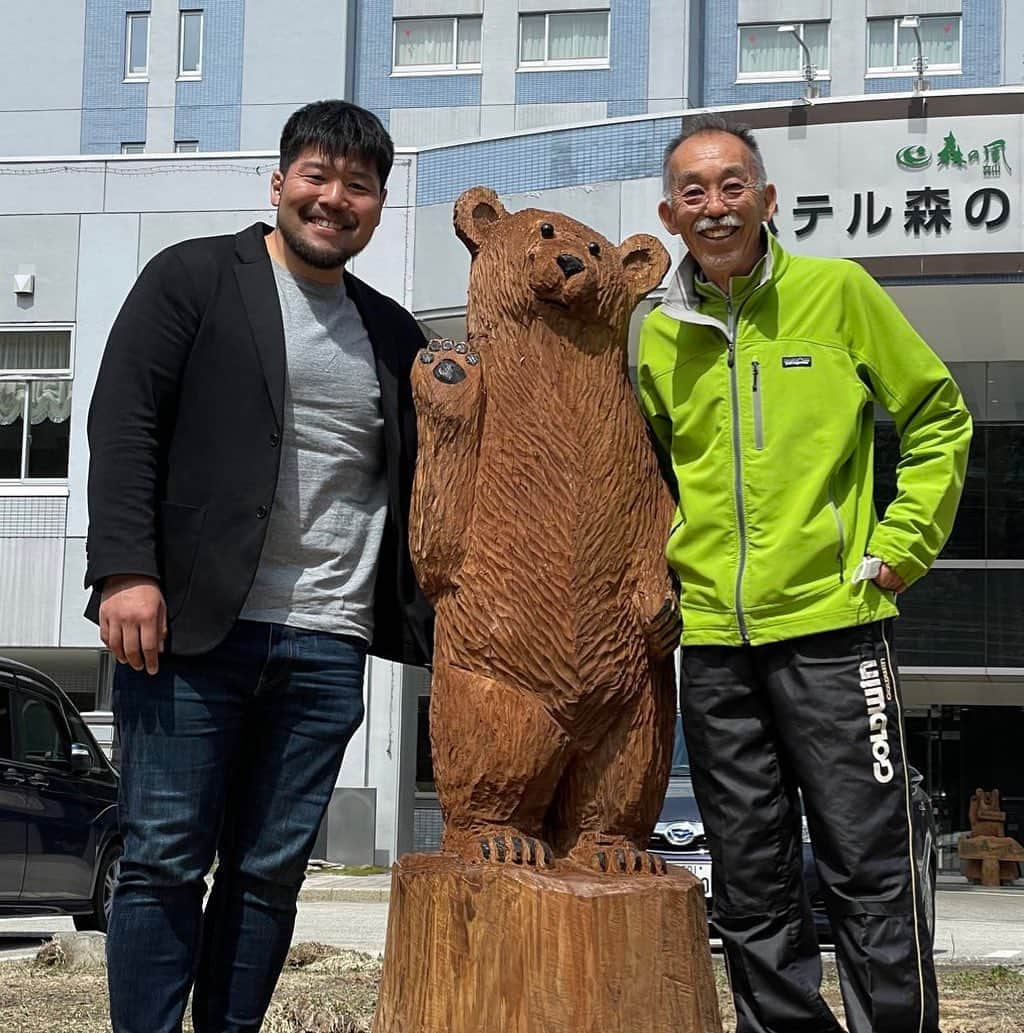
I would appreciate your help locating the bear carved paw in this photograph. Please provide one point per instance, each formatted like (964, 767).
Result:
(616, 856)
(515, 849)
(446, 379)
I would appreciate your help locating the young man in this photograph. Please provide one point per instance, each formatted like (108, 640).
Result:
(759, 374)
(252, 448)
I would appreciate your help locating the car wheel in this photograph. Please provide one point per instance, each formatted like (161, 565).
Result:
(929, 900)
(103, 895)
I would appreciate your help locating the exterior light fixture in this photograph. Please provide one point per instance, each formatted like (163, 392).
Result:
(809, 71)
(913, 22)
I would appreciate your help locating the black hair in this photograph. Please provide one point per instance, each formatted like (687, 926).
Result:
(336, 129)
(698, 125)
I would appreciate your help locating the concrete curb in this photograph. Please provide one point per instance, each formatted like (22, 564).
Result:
(346, 894)
(329, 887)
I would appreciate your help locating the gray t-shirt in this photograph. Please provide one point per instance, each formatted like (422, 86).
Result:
(319, 560)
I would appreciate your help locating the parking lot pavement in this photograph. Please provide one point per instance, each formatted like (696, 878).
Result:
(972, 926)
(975, 926)
(979, 925)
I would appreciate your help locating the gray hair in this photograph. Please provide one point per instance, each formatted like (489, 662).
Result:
(701, 125)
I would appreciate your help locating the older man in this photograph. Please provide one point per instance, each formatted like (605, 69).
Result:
(759, 375)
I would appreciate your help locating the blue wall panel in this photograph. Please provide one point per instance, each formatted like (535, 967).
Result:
(210, 109)
(720, 43)
(113, 111)
(623, 85)
(376, 89)
(557, 158)
(981, 47)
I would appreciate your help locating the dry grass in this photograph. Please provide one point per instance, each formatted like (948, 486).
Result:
(326, 990)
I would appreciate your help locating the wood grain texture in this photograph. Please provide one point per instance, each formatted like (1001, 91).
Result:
(538, 527)
(474, 948)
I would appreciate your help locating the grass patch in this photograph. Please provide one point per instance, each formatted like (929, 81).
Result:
(327, 990)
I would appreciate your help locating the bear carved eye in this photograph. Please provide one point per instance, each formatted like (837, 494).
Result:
(594, 248)
(547, 231)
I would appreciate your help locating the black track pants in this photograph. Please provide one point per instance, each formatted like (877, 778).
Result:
(821, 714)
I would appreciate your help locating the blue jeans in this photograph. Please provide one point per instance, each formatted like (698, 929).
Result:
(232, 754)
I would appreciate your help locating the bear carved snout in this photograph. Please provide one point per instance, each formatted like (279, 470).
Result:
(559, 277)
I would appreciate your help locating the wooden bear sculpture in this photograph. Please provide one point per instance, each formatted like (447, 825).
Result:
(538, 528)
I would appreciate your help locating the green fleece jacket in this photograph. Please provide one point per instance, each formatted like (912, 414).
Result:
(764, 401)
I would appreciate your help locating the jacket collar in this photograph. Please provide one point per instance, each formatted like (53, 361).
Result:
(256, 282)
(682, 300)
(263, 309)
(249, 244)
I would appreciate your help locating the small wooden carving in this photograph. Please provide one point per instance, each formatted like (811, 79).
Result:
(989, 855)
(538, 527)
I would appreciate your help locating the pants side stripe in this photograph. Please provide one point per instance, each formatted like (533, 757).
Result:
(910, 833)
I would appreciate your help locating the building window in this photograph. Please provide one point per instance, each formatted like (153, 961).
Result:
(765, 53)
(437, 44)
(894, 49)
(133, 147)
(136, 47)
(190, 45)
(571, 40)
(186, 146)
(35, 403)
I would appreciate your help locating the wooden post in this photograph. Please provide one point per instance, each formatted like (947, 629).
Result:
(474, 948)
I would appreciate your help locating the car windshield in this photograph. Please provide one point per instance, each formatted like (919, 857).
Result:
(680, 758)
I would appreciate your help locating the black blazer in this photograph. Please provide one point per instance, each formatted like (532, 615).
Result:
(184, 435)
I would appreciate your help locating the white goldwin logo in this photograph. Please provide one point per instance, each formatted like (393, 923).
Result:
(878, 723)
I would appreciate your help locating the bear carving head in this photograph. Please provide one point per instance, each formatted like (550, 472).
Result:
(539, 265)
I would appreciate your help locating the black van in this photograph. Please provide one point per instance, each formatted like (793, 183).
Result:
(59, 843)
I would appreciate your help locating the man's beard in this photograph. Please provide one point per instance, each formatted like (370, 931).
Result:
(318, 258)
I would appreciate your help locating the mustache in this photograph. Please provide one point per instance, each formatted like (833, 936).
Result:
(705, 222)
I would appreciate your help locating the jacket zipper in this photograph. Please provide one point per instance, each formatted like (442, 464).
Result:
(839, 527)
(741, 515)
(755, 367)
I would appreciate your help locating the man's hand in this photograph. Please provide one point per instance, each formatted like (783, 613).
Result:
(889, 580)
(133, 620)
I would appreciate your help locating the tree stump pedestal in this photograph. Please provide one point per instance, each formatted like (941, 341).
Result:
(475, 948)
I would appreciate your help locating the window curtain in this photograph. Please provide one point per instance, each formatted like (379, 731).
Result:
(47, 400)
(531, 38)
(469, 41)
(12, 403)
(578, 37)
(880, 41)
(424, 41)
(766, 51)
(35, 350)
(816, 37)
(940, 42)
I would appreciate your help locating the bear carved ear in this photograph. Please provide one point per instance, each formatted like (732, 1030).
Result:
(644, 262)
(476, 212)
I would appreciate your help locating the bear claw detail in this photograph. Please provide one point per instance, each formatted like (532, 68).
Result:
(627, 862)
(518, 850)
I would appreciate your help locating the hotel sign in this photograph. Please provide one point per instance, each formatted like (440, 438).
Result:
(899, 188)
(917, 157)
